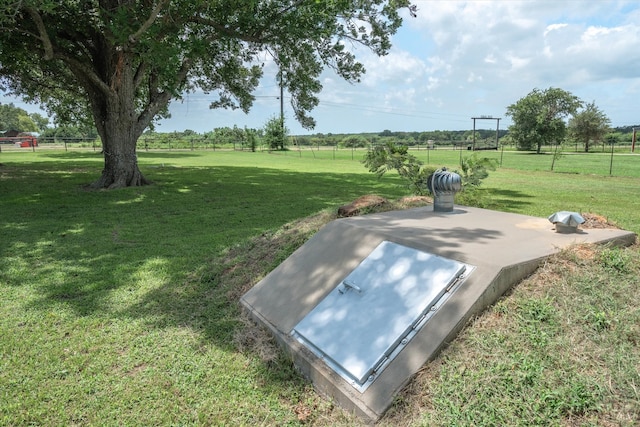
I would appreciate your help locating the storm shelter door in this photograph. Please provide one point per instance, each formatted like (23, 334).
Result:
(370, 315)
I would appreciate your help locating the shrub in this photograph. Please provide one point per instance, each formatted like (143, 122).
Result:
(475, 169)
(390, 156)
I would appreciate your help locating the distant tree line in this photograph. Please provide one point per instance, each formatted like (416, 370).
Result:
(410, 139)
(551, 117)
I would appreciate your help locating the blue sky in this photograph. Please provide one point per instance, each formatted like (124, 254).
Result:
(462, 59)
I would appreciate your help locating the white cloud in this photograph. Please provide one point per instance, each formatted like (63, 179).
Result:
(490, 59)
(433, 83)
(516, 62)
(399, 67)
(554, 27)
(472, 78)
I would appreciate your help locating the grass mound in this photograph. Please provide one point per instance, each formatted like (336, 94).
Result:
(561, 348)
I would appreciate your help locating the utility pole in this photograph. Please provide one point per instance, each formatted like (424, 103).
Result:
(281, 110)
(281, 105)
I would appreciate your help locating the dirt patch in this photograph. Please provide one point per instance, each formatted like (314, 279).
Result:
(584, 252)
(361, 204)
(252, 338)
(593, 220)
(415, 201)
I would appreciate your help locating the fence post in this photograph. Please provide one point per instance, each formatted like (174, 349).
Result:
(611, 163)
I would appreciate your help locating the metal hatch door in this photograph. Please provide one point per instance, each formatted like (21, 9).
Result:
(370, 315)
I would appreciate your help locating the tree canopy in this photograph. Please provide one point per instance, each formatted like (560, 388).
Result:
(120, 62)
(539, 118)
(16, 118)
(589, 125)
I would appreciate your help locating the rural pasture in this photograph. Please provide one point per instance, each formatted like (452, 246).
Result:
(121, 307)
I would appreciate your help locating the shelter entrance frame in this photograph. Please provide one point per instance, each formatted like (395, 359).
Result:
(377, 309)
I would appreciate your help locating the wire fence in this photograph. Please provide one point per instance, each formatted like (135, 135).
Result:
(204, 142)
(618, 159)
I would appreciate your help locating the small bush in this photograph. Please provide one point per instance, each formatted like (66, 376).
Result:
(391, 156)
(475, 169)
(383, 158)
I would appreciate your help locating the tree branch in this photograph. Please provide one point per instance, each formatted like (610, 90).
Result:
(255, 34)
(50, 53)
(44, 37)
(81, 69)
(157, 100)
(133, 38)
(140, 74)
(225, 30)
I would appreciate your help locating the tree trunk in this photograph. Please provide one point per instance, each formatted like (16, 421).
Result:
(119, 128)
(119, 140)
(120, 166)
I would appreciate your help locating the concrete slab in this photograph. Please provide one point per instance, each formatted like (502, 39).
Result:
(503, 247)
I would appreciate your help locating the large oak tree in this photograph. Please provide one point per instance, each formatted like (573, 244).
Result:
(539, 118)
(120, 62)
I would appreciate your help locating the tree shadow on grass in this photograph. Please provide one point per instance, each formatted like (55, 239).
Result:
(139, 252)
(138, 266)
(97, 154)
(509, 200)
(73, 154)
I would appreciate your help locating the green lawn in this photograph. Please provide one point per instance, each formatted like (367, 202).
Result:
(120, 307)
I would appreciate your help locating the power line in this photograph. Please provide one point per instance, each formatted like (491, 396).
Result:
(393, 111)
(403, 112)
(380, 110)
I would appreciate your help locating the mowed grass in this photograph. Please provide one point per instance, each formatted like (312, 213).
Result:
(120, 307)
(104, 318)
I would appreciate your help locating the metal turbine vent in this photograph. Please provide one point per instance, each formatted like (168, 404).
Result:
(443, 185)
(566, 221)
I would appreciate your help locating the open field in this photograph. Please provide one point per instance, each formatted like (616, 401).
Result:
(120, 307)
